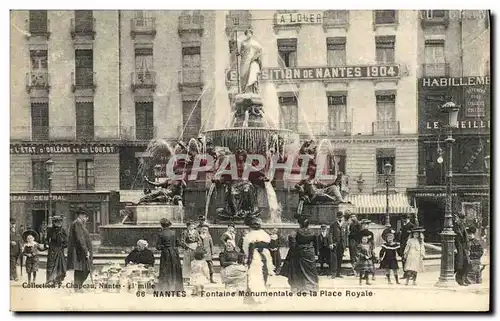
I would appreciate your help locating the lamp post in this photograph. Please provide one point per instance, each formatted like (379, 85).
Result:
(387, 172)
(446, 277)
(49, 168)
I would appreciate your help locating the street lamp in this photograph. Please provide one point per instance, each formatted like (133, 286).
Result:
(49, 168)
(387, 172)
(446, 277)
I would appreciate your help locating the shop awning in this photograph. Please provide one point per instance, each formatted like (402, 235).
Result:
(375, 203)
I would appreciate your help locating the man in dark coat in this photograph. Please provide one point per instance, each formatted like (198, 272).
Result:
(170, 278)
(80, 249)
(337, 246)
(404, 235)
(462, 251)
(354, 229)
(323, 251)
(57, 240)
(15, 250)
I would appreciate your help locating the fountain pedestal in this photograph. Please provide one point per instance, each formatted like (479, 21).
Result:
(324, 213)
(153, 213)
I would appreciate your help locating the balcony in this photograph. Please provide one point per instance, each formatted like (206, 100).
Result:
(83, 79)
(37, 184)
(385, 128)
(84, 133)
(190, 131)
(325, 128)
(85, 28)
(436, 70)
(65, 133)
(191, 78)
(239, 20)
(143, 80)
(385, 18)
(40, 133)
(191, 24)
(37, 80)
(38, 29)
(381, 181)
(430, 18)
(143, 26)
(333, 19)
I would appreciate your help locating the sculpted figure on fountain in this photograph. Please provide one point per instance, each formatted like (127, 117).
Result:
(167, 192)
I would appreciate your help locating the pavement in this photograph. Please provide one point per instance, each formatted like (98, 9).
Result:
(343, 294)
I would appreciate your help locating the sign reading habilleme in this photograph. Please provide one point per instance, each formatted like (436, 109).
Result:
(455, 81)
(295, 18)
(324, 73)
(40, 149)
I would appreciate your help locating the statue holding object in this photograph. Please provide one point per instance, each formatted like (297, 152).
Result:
(166, 192)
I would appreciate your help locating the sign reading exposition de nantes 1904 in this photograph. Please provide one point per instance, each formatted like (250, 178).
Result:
(324, 73)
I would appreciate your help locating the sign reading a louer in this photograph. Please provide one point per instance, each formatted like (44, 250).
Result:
(324, 73)
(294, 18)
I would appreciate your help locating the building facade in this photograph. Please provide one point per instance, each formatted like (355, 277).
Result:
(64, 107)
(454, 55)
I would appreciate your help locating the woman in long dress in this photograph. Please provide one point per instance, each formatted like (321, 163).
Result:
(300, 264)
(251, 63)
(57, 239)
(414, 254)
(233, 273)
(170, 278)
(259, 260)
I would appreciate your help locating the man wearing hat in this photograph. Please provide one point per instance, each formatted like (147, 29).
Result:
(57, 240)
(462, 251)
(353, 237)
(323, 251)
(15, 250)
(404, 235)
(336, 246)
(80, 249)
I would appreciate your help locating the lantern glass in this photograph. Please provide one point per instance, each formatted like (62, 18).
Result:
(387, 169)
(453, 117)
(49, 166)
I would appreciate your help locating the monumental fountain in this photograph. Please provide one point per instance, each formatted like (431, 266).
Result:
(228, 198)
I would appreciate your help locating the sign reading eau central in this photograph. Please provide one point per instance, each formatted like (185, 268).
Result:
(324, 73)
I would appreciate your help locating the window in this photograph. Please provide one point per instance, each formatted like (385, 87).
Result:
(384, 156)
(191, 63)
(39, 76)
(84, 67)
(40, 178)
(144, 65)
(337, 162)
(337, 111)
(385, 17)
(144, 123)
(385, 49)
(435, 65)
(289, 112)
(335, 48)
(84, 21)
(85, 121)
(191, 118)
(40, 121)
(85, 174)
(233, 62)
(287, 52)
(430, 14)
(336, 17)
(38, 21)
(239, 20)
(386, 107)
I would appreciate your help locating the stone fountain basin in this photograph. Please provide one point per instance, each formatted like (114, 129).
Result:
(251, 139)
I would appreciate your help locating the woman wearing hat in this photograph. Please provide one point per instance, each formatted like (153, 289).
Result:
(300, 264)
(258, 258)
(414, 255)
(170, 278)
(30, 251)
(57, 240)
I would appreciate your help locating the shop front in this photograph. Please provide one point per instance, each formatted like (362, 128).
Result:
(31, 209)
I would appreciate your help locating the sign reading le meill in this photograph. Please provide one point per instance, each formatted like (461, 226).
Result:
(324, 73)
(41, 149)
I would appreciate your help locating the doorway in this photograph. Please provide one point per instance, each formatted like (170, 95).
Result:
(37, 218)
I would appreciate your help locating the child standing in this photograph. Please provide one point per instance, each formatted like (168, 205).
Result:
(476, 252)
(365, 260)
(388, 257)
(414, 255)
(199, 272)
(208, 246)
(274, 247)
(30, 251)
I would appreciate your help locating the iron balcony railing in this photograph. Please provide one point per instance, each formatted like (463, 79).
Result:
(381, 180)
(191, 77)
(189, 23)
(65, 133)
(431, 18)
(386, 128)
(84, 27)
(240, 20)
(38, 28)
(143, 79)
(384, 17)
(143, 26)
(336, 19)
(37, 79)
(436, 70)
(83, 78)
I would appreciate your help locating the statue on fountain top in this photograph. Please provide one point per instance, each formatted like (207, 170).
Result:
(312, 191)
(167, 192)
(251, 64)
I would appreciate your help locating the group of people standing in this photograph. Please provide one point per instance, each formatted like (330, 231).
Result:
(56, 240)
